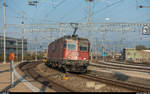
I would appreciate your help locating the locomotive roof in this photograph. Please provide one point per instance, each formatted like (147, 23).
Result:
(75, 38)
(70, 37)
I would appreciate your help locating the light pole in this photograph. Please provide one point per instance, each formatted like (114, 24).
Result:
(17, 50)
(121, 40)
(103, 45)
(4, 29)
(22, 36)
(135, 45)
(36, 48)
(96, 49)
(59, 29)
(31, 46)
(89, 25)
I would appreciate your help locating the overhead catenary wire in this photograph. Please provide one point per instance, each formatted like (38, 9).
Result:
(14, 11)
(20, 7)
(59, 4)
(108, 6)
(51, 10)
(102, 9)
(70, 11)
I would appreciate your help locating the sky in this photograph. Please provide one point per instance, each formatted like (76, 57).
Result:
(56, 11)
(48, 11)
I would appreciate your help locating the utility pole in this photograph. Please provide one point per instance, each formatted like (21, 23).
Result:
(113, 51)
(50, 38)
(4, 29)
(59, 28)
(121, 41)
(22, 36)
(97, 49)
(89, 16)
(103, 49)
(17, 50)
(31, 42)
(134, 45)
(40, 46)
(89, 24)
(36, 44)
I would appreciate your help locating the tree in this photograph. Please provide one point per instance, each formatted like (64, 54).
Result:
(141, 47)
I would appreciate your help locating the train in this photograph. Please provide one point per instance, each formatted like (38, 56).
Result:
(69, 53)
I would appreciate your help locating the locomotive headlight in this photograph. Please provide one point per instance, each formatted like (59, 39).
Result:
(84, 58)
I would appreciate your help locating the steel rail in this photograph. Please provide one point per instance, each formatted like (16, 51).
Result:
(92, 76)
(127, 63)
(131, 86)
(123, 67)
(28, 69)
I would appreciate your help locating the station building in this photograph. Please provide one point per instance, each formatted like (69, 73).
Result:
(12, 45)
(131, 54)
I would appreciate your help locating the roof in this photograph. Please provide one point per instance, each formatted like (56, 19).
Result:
(129, 48)
(12, 39)
(137, 50)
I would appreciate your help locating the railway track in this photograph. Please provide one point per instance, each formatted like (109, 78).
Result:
(133, 64)
(129, 85)
(122, 66)
(29, 69)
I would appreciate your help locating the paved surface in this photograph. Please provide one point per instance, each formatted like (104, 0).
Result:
(22, 83)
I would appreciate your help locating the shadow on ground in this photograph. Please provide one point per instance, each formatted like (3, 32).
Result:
(4, 71)
(44, 86)
(120, 76)
(15, 83)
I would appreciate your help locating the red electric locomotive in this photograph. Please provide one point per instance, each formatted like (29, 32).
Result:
(69, 53)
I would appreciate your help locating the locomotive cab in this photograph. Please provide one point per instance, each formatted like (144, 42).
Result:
(76, 54)
(70, 50)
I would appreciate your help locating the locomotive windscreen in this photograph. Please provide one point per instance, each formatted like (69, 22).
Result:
(71, 46)
(83, 46)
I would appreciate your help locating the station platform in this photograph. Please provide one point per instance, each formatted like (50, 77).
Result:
(22, 83)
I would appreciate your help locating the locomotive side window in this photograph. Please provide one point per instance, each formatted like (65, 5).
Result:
(71, 46)
(83, 47)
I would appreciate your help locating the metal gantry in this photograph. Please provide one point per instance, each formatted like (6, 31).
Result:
(104, 28)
